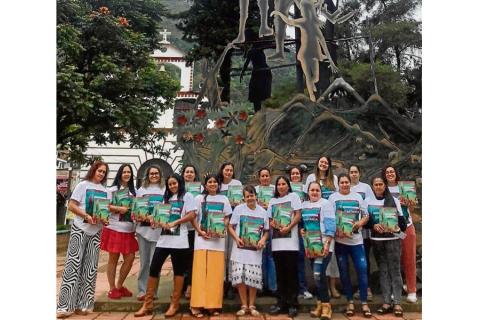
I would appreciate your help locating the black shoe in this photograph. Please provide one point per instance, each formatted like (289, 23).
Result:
(292, 312)
(274, 310)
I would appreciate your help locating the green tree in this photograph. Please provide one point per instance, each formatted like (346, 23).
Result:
(109, 89)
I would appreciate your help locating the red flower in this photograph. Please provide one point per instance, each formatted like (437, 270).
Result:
(104, 10)
(199, 137)
(219, 123)
(239, 139)
(243, 116)
(123, 21)
(201, 114)
(182, 120)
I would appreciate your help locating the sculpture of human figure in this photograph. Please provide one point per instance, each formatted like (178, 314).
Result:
(264, 30)
(312, 43)
(280, 27)
(333, 17)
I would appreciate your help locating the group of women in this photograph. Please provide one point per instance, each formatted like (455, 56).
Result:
(204, 261)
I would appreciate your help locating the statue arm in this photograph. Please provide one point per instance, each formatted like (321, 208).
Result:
(288, 21)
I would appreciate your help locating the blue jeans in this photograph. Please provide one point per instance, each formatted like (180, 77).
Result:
(301, 266)
(357, 253)
(319, 267)
(268, 267)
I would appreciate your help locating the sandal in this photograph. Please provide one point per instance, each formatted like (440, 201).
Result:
(243, 310)
(196, 313)
(213, 313)
(383, 310)
(253, 311)
(350, 311)
(366, 311)
(398, 311)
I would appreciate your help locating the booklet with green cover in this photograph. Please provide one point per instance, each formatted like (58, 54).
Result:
(235, 195)
(194, 188)
(251, 231)
(374, 213)
(100, 210)
(213, 219)
(161, 213)
(90, 195)
(311, 219)
(265, 194)
(175, 213)
(297, 187)
(140, 208)
(121, 198)
(282, 217)
(407, 191)
(389, 219)
(347, 213)
(313, 244)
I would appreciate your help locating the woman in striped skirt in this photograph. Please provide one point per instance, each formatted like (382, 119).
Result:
(80, 272)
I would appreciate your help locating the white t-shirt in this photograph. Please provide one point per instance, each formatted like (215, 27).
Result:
(373, 207)
(326, 193)
(289, 242)
(218, 202)
(365, 191)
(396, 194)
(84, 193)
(326, 211)
(352, 202)
(114, 221)
(148, 232)
(241, 214)
(180, 240)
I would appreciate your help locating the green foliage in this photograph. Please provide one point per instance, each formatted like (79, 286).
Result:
(109, 89)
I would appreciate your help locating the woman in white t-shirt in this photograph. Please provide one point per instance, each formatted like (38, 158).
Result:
(329, 183)
(213, 209)
(173, 242)
(154, 189)
(118, 237)
(284, 213)
(248, 227)
(409, 243)
(386, 246)
(365, 191)
(351, 215)
(80, 272)
(318, 215)
(190, 175)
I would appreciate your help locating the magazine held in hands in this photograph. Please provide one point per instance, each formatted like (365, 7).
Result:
(251, 231)
(312, 239)
(282, 217)
(235, 195)
(347, 212)
(100, 210)
(265, 194)
(213, 222)
(121, 198)
(139, 209)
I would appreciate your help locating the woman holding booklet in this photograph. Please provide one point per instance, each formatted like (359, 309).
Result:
(409, 243)
(386, 221)
(194, 186)
(329, 183)
(118, 237)
(265, 191)
(296, 177)
(284, 213)
(351, 215)
(171, 217)
(148, 195)
(318, 231)
(248, 227)
(80, 272)
(213, 210)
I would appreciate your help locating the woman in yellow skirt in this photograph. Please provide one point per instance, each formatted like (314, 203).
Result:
(213, 213)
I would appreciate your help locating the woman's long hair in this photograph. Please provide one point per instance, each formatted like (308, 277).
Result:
(117, 182)
(208, 177)
(220, 172)
(93, 168)
(276, 194)
(146, 180)
(181, 188)
(328, 180)
(389, 200)
(384, 174)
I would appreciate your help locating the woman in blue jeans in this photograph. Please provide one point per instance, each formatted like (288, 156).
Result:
(318, 215)
(351, 215)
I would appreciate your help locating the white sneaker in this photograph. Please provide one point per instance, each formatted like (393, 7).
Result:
(62, 314)
(307, 295)
(412, 297)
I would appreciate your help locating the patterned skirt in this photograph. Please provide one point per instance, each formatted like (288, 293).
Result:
(248, 274)
(118, 242)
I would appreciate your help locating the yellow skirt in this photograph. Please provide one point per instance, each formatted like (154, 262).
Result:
(207, 279)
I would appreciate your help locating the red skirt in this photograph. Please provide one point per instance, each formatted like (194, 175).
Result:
(118, 242)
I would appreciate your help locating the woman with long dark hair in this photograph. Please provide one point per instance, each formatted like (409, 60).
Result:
(80, 272)
(284, 213)
(386, 246)
(409, 243)
(173, 242)
(118, 237)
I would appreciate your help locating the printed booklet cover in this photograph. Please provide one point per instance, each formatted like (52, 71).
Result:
(282, 216)
(407, 191)
(194, 188)
(374, 213)
(213, 219)
(389, 219)
(235, 195)
(161, 213)
(140, 208)
(297, 187)
(92, 194)
(100, 210)
(265, 194)
(251, 231)
(347, 212)
(313, 244)
(175, 213)
(121, 198)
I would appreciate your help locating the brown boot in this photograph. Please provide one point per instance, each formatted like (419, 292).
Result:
(318, 310)
(326, 311)
(177, 292)
(147, 307)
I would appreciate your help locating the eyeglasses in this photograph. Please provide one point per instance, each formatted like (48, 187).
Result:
(154, 174)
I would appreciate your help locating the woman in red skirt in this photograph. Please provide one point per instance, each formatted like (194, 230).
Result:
(118, 237)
